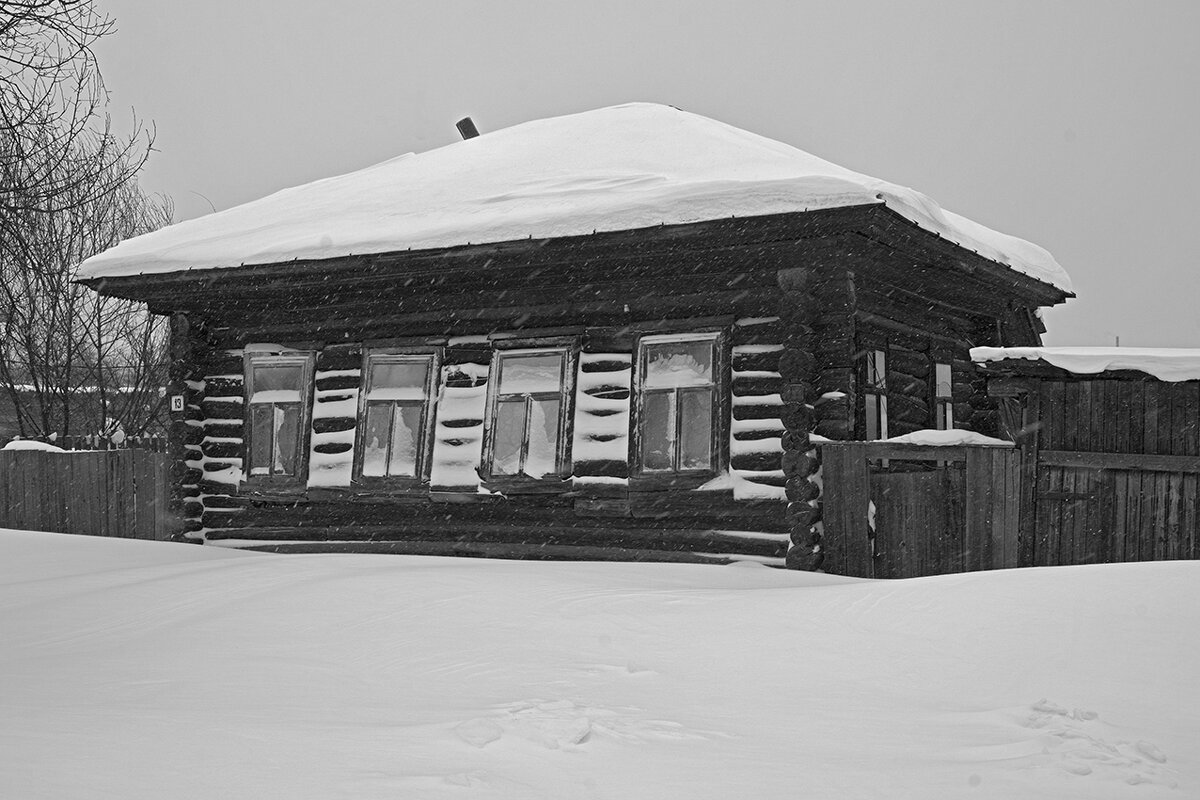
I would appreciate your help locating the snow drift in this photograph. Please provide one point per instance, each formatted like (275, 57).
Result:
(612, 169)
(149, 670)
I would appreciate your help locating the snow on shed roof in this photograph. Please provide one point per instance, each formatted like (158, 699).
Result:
(612, 169)
(1164, 363)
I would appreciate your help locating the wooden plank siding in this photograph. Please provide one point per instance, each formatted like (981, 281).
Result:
(120, 493)
(1116, 458)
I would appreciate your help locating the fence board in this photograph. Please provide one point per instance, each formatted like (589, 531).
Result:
(102, 493)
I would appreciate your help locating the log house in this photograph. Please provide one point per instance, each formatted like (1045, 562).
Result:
(648, 392)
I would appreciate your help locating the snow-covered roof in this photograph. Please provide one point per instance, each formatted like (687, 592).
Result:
(1164, 363)
(618, 168)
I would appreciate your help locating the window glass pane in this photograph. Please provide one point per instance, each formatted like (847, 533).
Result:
(375, 440)
(877, 369)
(658, 431)
(509, 435)
(276, 382)
(542, 456)
(872, 409)
(942, 380)
(260, 439)
(287, 432)
(695, 437)
(945, 415)
(398, 379)
(406, 436)
(532, 373)
(678, 364)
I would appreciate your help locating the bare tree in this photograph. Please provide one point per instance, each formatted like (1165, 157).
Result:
(52, 96)
(70, 361)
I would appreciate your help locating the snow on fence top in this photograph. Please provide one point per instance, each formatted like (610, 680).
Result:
(1166, 363)
(612, 169)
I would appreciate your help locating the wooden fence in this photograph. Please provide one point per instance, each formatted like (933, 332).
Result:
(974, 508)
(957, 510)
(1103, 508)
(115, 493)
(1113, 461)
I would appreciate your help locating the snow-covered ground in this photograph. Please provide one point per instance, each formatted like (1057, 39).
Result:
(136, 669)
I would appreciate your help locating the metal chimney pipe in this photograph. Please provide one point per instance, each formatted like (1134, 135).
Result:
(466, 128)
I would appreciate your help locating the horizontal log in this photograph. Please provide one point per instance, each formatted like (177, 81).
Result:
(217, 386)
(906, 452)
(465, 422)
(744, 387)
(756, 461)
(340, 357)
(764, 433)
(609, 392)
(223, 519)
(607, 365)
(768, 360)
(504, 550)
(756, 411)
(769, 333)
(338, 382)
(222, 449)
(576, 532)
(221, 409)
(334, 424)
(220, 364)
(1131, 461)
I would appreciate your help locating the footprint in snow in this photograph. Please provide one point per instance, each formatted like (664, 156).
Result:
(563, 724)
(1078, 742)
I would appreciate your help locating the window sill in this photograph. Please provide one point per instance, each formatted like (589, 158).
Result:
(665, 482)
(513, 485)
(359, 493)
(272, 493)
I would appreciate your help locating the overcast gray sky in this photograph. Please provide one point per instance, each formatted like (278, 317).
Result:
(1073, 125)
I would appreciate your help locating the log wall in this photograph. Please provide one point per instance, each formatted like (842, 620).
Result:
(596, 510)
(796, 297)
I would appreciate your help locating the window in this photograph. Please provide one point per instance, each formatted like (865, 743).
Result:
(393, 431)
(678, 392)
(943, 397)
(528, 414)
(875, 395)
(278, 389)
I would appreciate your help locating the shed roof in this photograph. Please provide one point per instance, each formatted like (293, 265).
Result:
(1164, 363)
(611, 169)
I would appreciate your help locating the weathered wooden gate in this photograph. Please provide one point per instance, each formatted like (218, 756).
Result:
(953, 509)
(1102, 508)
